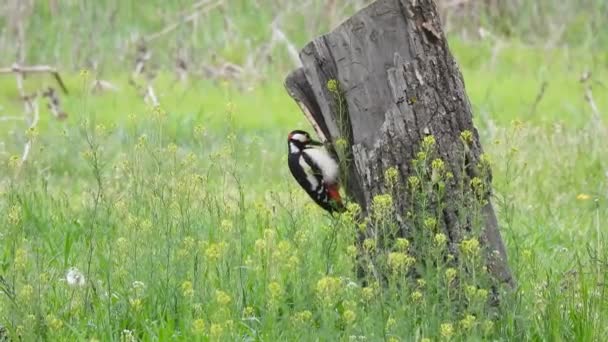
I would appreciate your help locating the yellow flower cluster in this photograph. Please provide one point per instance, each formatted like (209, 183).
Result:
(215, 251)
(198, 326)
(438, 165)
(187, 289)
(428, 142)
(466, 136)
(14, 215)
(470, 247)
(413, 181)
(402, 244)
(349, 317)
(417, 296)
(328, 290)
(400, 262)
(447, 330)
(450, 275)
(467, 322)
(440, 239)
(430, 223)
(275, 293)
(222, 298)
(333, 86)
(302, 317)
(391, 175)
(382, 204)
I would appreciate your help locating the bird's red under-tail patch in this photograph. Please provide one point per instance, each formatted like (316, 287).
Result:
(333, 192)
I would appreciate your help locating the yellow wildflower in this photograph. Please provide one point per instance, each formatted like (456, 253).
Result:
(417, 296)
(20, 258)
(368, 293)
(53, 322)
(369, 245)
(222, 298)
(260, 245)
(382, 205)
(349, 316)
(428, 141)
(328, 290)
(226, 226)
(413, 181)
(482, 294)
(402, 244)
(400, 262)
(391, 175)
(430, 222)
(198, 326)
(302, 317)
(26, 292)
(333, 86)
(470, 291)
(450, 274)
(470, 247)
(390, 323)
(438, 165)
(275, 291)
(488, 326)
(187, 289)
(466, 136)
(467, 322)
(135, 304)
(447, 330)
(215, 251)
(583, 197)
(440, 239)
(249, 312)
(14, 215)
(216, 330)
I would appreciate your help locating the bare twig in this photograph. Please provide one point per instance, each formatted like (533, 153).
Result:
(203, 7)
(586, 81)
(277, 34)
(54, 104)
(151, 96)
(31, 104)
(12, 118)
(103, 85)
(539, 97)
(35, 69)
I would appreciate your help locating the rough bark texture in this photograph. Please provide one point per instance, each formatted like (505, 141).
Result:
(398, 83)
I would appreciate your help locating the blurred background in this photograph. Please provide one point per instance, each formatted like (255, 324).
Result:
(256, 37)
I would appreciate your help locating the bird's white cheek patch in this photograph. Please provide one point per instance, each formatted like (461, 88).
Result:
(299, 137)
(293, 148)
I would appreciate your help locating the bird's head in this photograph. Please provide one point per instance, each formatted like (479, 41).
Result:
(298, 140)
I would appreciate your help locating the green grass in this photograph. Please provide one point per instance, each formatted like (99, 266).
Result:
(197, 230)
(187, 225)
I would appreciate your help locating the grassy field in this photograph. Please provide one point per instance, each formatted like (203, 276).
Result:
(182, 222)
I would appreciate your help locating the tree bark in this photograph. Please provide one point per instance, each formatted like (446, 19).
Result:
(381, 82)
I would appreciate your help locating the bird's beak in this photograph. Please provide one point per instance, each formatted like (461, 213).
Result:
(315, 143)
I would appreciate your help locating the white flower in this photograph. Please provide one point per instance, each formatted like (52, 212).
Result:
(138, 287)
(74, 277)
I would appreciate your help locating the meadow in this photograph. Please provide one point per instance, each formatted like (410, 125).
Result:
(180, 221)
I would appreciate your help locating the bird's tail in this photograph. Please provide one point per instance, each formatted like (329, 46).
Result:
(333, 191)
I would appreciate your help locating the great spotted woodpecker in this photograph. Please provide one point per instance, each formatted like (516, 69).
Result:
(315, 170)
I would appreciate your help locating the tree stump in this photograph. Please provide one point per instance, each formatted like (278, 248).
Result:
(379, 84)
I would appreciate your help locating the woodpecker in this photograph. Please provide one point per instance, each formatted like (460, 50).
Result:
(315, 170)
